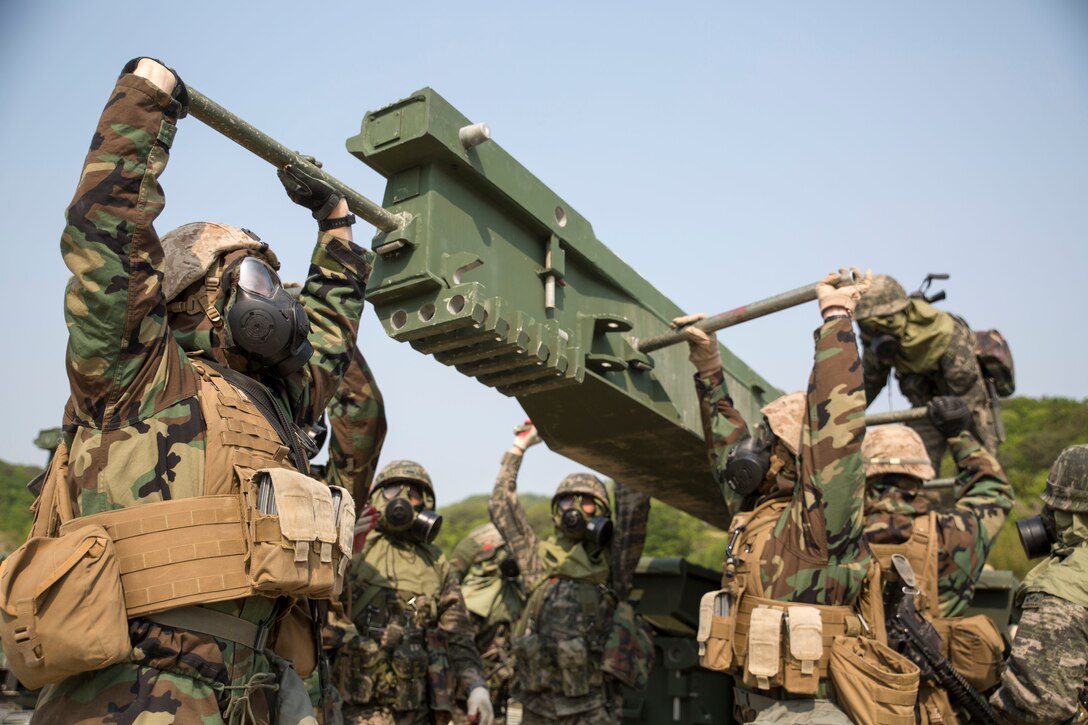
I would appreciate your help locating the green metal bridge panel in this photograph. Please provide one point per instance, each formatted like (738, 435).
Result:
(466, 280)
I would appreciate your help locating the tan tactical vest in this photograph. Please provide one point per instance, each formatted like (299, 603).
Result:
(767, 643)
(218, 547)
(921, 550)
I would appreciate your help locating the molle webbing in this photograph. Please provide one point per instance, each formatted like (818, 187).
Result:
(921, 550)
(176, 553)
(838, 621)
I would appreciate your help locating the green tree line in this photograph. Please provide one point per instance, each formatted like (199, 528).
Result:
(1037, 430)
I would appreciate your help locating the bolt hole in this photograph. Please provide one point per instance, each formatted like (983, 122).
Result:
(560, 216)
(426, 312)
(456, 304)
(612, 325)
(399, 319)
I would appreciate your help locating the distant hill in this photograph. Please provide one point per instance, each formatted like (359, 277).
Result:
(1038, 429)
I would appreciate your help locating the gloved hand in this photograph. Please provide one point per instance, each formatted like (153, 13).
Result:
(525, 436)
(949, 414)
(316, 195)
(702, 346)
(831, 293)
(364, 524)
(479, 708)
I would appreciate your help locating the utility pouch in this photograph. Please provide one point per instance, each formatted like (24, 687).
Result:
(804, 628)
(717, 623)
(629, 652)
(531, 669)
(573, 661)
(763, 667)
(62, 607)
(297, 546)
(975, 649)
(294, 639)
(357, 670)
(440, 676)
(410, 666)
(874, 684)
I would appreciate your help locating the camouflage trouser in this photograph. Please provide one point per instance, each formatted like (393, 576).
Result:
(177, 677)
(750, 707)
(377, 715)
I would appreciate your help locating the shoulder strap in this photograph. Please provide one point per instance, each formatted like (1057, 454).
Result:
(296, 439)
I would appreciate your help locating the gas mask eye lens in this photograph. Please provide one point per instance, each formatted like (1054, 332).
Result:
(391, 491)
(415, 494)
(255, 277)
(589, 506)
(565, 501)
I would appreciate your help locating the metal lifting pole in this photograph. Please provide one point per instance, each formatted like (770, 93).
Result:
(744, 313)
(253, 139)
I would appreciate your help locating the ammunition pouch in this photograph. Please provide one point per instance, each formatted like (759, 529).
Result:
(409, 664)
(974, 647)
(532, 670)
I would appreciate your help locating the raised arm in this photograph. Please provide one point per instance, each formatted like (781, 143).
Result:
(358, 428)
(123, 365)
(508, 515)
(632, 514)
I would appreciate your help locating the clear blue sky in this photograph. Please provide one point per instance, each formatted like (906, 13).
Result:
(726, 150)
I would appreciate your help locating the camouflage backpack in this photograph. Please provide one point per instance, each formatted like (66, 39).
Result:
(995, 359)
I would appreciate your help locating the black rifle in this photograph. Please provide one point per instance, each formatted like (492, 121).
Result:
(916, 639)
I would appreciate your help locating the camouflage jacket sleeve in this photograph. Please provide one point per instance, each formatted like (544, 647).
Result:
(358, 426)
(455, 621)
(123, 364)
(817, 554)
(722, 424)
(968, 530)
(632, 513)
(333, 299)
(1048, 667)
(463, 555)
(959, 366)
(509, 518)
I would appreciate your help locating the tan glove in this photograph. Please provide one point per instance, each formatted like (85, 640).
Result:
(830, 293)
(525, 436)
(702, 346)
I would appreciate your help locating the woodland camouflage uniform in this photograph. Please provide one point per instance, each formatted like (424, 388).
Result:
(965, 531)
(1045, 679)
(495, 602)
(937, 357)
(358, 427)
(561, 638)
(816, 553)
(414, 653)
(134, 431)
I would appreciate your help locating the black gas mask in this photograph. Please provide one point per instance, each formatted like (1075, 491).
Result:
(748, 462)
(590, 529)
(1038, 534)
(400, 516)
(885, 347)
(265, 322)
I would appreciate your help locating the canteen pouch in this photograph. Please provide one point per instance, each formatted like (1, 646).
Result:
(804, 629)
(717, 625)
(531, 671)
(975, 649)
(297, 546)
(573, 661)
(874, 684)
(62, 608)
(629, 652)
(763, 667)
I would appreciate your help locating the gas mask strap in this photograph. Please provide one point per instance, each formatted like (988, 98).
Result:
(211, 284)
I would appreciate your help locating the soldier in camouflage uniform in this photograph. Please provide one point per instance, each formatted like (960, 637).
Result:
(1046, 677)
(566, 668)
(495, 595)
(805, 491)
(946, 548)
(414, 654)
(932, 353)
(134, 428)
(896, 465)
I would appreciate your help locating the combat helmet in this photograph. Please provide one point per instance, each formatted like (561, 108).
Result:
(584, 484)
(191, 250)
(784, 415)
(404, 471)
(1067, 484)
(895, 449)
(885, 297)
